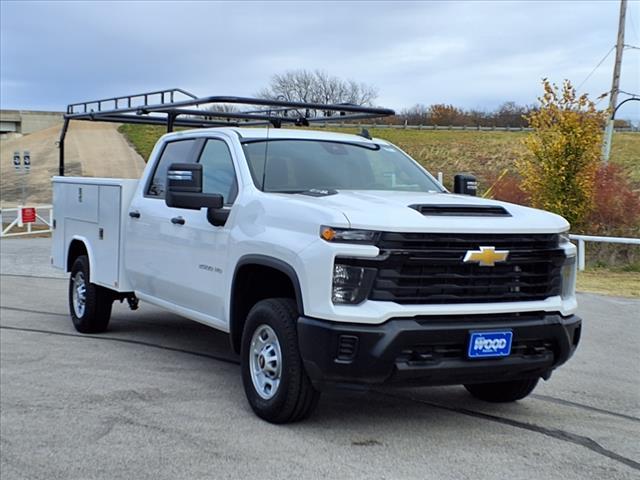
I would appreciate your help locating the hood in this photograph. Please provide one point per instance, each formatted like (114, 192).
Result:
(392, 211)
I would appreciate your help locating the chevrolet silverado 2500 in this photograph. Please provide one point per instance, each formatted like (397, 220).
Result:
(329, 259)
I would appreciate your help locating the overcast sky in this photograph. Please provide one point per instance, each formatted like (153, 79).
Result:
(473, 54)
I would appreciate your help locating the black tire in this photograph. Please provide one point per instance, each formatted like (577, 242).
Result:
(503, 392)
(294, 398)
(94, 318)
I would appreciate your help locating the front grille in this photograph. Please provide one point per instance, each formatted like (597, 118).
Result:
(421, 268)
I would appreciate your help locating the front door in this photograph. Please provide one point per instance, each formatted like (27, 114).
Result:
(175, 255)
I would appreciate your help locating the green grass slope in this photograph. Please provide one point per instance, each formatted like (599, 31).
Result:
(483, 153)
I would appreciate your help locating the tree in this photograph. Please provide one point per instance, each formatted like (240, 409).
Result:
(441, 114)
(510, 114)
(317, 87)
(559, 168)
(416, 115)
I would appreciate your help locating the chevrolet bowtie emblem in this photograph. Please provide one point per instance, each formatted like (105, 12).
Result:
(486, 256)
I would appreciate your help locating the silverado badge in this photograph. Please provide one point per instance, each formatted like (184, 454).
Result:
(486, 256)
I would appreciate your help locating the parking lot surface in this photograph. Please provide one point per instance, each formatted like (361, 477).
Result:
(160, 397)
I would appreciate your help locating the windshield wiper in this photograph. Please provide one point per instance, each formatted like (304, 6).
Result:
(312, 192)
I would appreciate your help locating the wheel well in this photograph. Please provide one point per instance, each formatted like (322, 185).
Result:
(255, 282)
(76, 249)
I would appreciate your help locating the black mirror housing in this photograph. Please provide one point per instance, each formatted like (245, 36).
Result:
(465, 184)
(184, 188)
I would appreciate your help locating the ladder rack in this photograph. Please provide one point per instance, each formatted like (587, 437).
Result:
(178, 108)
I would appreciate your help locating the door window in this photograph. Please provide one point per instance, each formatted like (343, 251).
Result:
(179, 151)
(218, 174)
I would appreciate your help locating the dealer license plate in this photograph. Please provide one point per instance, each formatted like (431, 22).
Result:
(490, 344)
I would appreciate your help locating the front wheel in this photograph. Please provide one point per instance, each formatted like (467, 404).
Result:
(275, 382)
(89, 304)
(502, 392)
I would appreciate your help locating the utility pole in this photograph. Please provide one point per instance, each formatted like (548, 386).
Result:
(615, 84)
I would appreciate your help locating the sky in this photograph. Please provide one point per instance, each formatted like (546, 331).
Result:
(473, 54)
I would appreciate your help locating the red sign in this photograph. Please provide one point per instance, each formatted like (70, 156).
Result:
(28, 215)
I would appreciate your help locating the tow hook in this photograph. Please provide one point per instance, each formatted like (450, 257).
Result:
(133, 302)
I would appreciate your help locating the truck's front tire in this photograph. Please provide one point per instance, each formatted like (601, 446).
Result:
(89, 304)
(275, 382)
(502, 392)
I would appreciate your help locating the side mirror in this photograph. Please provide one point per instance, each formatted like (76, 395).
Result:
(465, 184)
(184, 188)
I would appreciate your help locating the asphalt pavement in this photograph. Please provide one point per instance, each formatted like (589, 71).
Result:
(160, 397)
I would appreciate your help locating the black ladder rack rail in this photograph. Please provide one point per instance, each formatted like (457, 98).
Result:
(178, 108)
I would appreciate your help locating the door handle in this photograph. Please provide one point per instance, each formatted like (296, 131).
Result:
(177, 221)
(134, 214)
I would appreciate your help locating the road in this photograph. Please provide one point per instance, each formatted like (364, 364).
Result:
(91, 149)
(160, 397)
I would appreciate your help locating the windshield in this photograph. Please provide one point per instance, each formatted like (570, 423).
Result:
(301, 165)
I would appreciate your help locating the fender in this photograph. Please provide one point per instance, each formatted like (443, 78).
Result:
(270, 262)
(87, 247)
(276, 264)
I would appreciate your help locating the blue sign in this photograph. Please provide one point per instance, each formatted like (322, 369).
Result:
(490, 344)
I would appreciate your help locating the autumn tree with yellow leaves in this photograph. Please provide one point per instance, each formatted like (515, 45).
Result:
(563, 152)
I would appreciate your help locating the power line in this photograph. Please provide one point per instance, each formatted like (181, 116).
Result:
(632, 47)
(595, 68)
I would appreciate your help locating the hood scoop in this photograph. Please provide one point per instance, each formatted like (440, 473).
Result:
(432, 210)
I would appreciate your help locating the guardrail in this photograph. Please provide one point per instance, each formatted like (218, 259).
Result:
(6, 232)
(17, 222)
(581, 239)
(406, 126)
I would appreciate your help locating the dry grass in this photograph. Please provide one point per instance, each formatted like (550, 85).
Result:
(483, 153)
(607, 282)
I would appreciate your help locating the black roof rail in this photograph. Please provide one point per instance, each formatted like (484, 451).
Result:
(178, 108)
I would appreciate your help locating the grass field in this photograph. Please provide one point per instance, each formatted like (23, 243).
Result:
(483, 153)
(610, 282)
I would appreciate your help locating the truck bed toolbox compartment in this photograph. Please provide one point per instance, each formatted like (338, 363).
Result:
(93, 211)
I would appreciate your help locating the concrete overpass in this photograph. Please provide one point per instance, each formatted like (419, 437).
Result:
(27, 121)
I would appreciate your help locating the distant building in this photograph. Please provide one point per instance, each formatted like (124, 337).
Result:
(27, 121)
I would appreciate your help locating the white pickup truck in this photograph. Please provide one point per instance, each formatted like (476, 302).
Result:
(329, 259)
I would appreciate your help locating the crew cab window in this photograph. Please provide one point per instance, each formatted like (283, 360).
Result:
(218, 174)
(179, 151)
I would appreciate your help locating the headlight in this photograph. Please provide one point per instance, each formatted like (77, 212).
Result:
(351, 285)
(347, 235)
(569, 277)
(564, 239)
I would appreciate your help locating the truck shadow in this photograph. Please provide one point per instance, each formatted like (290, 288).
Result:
(154, 326)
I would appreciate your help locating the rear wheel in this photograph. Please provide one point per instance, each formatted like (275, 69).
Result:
(89, 304)
(502, 392)
(275, 382)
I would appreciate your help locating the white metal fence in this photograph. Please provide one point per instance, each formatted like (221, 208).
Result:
(403, 126)
(44, 217)
(582, 239)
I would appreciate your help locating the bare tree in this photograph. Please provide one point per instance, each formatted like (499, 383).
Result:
(223, 108)
(510, 114)
(317, 87)
(416, 115)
